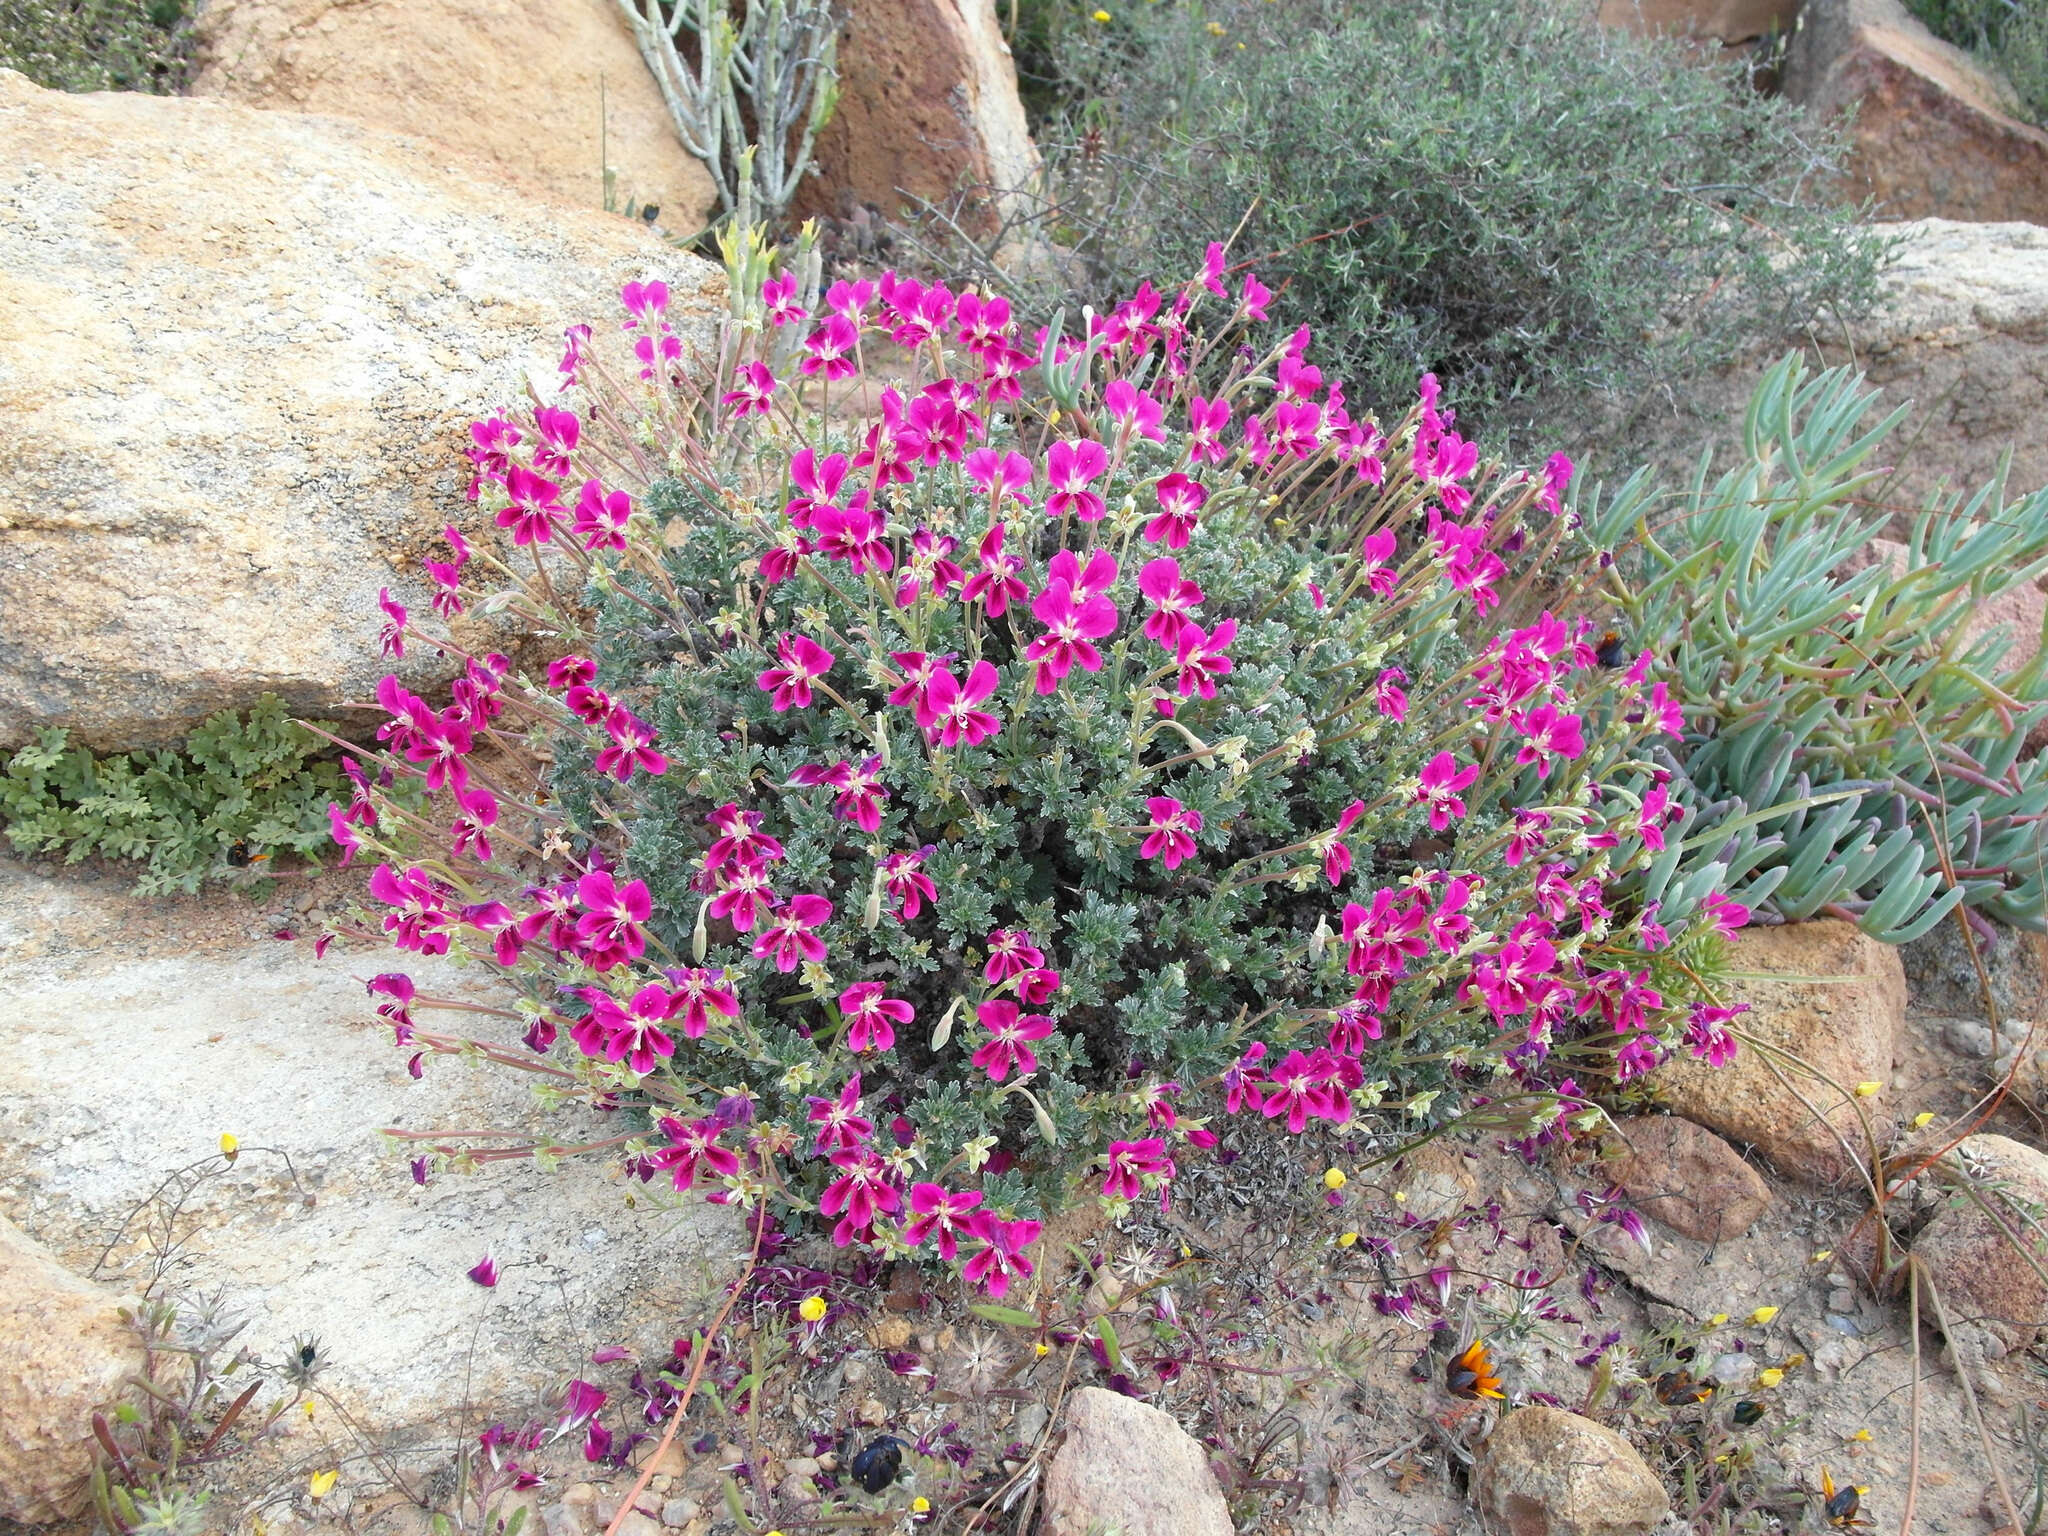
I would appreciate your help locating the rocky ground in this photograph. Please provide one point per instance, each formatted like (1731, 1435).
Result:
(1262, 1316)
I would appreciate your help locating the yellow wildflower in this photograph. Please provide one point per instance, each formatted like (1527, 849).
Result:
(230, 1144)
(1769, 1378)
(1334, 1179)
(320, 1484)
(1763, 1315)
(1865, 1089)
(811, 1308)
(1347, 1239)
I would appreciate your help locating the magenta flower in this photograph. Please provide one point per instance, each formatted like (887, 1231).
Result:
(690, 1147)
(632, 1034)
(581, 1403)
(601, 516)
(1442, 779)
(1129, 1162)
(1206, 421)
(787, 939)
(1212, 270)
(1707, 1034)
(860, 790)
(1093, 580)
(484, 1272)
(803, 660)
(1007, 1048)
(534, 506)
(1036, 987)
(1516, 978)
(841, 1125)
(1253, 297)
(742, 895)
(420, 914)
(1304, 1086)
(1376, 562)
(740, 838)
(699, 993)
(470, 831)
(344, 834)
(1448, 924)
(862, 1192)
(954, 717)
(1547, 734)
(983, 323)
(936, 1209)
(1296, 424)
(818, 485)
(1557, 479)
(929, 565)
(632, 747)
(1173, 597)
(1070, 469)
(850, 299)
(392, 636)
(1180, 505)
(1000, 476)
(1203, 656)
(493, 441)
(1728, 914)
(996, 585)
(853, 533)
(646, 305)
(1134, 410)
(779, 295)
(1337, 861)
(752, 391)
(828, 350)
(1170, 839)
(1002, 1260)
(871, 1018)
(1388, 697)
(1244, 1080)
(1071, 625)
(903, 877)
(914, 691)
(610, 932)
(1010, 953)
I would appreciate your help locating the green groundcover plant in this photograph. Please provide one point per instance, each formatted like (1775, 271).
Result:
(240, 790)
(959, 798)
(1498, 191)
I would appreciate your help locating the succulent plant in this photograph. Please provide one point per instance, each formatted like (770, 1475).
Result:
(1854, 746)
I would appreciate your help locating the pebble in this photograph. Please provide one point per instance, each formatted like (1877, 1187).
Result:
(1031, 1422)
(678, 1512)
(1841, 1299)
(872, 1412)
(1967, 1037)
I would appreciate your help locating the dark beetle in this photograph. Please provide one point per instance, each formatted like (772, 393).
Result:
(876, 1467)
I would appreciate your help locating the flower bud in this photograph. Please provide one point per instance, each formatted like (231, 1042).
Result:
(700, 936)
(944, 1029)
(882, 742)
(1319, 940)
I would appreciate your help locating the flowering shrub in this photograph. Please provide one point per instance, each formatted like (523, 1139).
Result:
(966, 800)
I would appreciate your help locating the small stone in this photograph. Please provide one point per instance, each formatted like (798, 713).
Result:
(673, 1461)
(1967, 1037)
(872, 1412)
(1994, 1298)
(1437, 1181)
(1686, 1177)
(1841, 1299)
(1128, 1459)
(678, 1512)
(889, 1333)
(1030, 1423)
(1546, 1472)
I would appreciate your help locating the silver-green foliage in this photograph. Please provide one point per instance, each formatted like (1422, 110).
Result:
(1853, 745)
